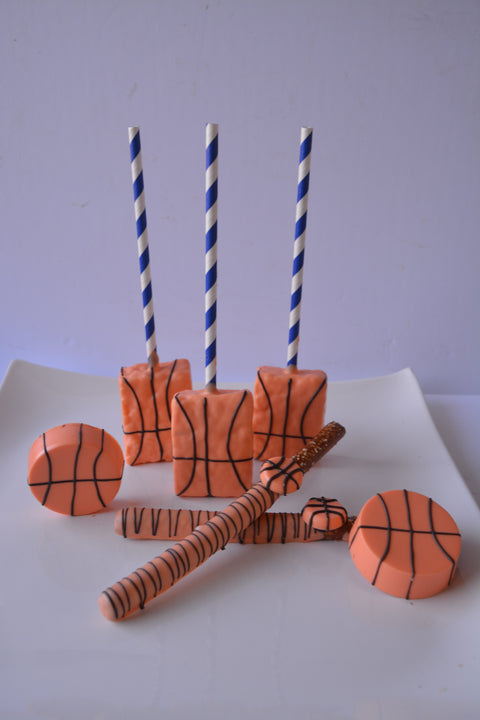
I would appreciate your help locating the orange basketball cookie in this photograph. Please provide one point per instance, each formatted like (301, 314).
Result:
(75, 469)
(405, 544)
(324, 514)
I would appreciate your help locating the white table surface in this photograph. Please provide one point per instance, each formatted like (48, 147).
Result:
(457, 419)
(262, 632)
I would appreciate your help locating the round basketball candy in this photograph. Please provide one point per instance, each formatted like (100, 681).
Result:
(281, 475)
(405, 544)
(75, 469)
(324, 514)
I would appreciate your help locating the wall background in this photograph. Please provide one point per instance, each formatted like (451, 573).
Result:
(392, 90)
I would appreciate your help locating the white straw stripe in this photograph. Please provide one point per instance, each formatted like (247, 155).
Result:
(211, 297)
(139, 205)
(210, 258)
(211, 333)
(211, 217)
(301, 207)
(211, 174)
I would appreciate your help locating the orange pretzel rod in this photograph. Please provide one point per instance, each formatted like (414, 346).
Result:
(278, 476)
(148, 523)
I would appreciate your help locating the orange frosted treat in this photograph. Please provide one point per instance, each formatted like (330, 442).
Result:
(146, 395)
(324, 514)
(164, 571)
(212, 442)
(405, 544)
(75, 469)
(288, 409)
(148, 523)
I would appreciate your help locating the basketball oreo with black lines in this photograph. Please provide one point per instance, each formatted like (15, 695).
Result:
(75, 469)
(405, 544)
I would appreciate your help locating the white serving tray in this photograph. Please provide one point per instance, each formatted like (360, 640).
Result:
(262, 632)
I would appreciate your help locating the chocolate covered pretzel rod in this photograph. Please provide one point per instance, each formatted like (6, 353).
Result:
(278, 476)
(148, 523)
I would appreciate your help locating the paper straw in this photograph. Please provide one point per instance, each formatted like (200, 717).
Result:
(299, 245)
(211, 189)
(142, 242)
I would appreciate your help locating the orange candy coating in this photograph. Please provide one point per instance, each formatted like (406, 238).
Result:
(288, 410)
(75, 469)
(324, 514)
(212, 442)
(281, 475)
(405, 544)
(146, 395)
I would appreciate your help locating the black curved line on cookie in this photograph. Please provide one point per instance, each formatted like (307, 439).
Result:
(306, 438)
(388, 528)
(194, 444)
(435, 534)
(95, 480)
(270, 412)
(50, 470)
(287, 408)
(140, 412)
(155, 410)
(229, 439)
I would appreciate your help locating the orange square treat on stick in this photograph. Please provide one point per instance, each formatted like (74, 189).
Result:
(212, 429)
(146, 395)
(289, 409)
(212, 441)
(289, 404)
(147, 389)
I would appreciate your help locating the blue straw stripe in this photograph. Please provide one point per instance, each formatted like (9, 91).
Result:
(150, 328)
(298, 262)
(306, 147)
(211, 195)
(211, 237)
(141, 223)
(210, 352)
(296, 298)
(293, 332)
(144, 260)
(135, 146)
(211, 277)
(303, 187)
(300, 225)
(147, 294)
(212, 151)
(138, 186)
(210, 316)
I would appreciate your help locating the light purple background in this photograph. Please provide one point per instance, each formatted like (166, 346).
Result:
(392, 90)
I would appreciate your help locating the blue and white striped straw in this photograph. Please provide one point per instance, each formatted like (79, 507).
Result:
(299, 245)
(211, 191)
(142, 242)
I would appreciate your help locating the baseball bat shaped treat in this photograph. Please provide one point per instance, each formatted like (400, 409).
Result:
(278, 476)
(147, 389)
(289, 403)
(321, 519)
(212, 428)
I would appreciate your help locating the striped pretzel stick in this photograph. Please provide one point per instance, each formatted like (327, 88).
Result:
(277, 476)
(149, 523)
